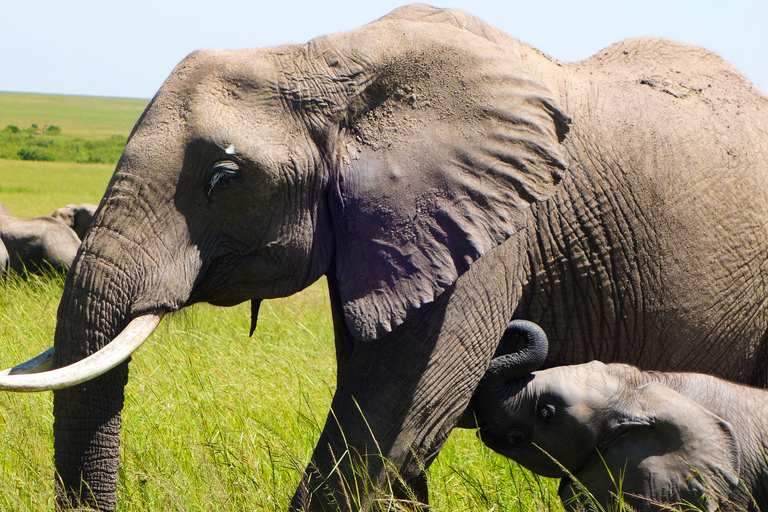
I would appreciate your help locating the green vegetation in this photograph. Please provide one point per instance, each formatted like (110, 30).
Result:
(215, 420)
(76, 129)
(40, 172)
(31, 189)
(49, 145)
(83, 116)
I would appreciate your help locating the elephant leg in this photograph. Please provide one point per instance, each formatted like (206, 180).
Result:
(399, 397)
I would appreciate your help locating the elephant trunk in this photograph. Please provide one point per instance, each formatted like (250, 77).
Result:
(509, 367)
(87, 416)
(504, 382)
(118, 278)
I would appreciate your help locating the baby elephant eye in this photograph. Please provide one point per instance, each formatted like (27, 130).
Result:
(545, 412)
(221, 174)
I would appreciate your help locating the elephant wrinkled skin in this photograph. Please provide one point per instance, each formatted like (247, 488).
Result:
(401, 160)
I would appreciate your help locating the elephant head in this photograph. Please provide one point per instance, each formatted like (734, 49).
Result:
(389, 158)
(608, 429)
(77, 217)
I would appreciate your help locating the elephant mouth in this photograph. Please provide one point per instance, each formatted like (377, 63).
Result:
(38, 373)
(503, 444)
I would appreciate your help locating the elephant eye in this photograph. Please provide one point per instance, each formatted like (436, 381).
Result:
(545, 413)
(221, 174)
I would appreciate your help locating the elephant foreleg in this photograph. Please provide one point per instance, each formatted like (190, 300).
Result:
(399, 397)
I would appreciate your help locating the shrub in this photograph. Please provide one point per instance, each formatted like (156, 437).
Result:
(56, 147)
(33, 154)
(43, 143)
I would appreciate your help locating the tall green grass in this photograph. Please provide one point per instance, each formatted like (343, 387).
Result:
(215, 420)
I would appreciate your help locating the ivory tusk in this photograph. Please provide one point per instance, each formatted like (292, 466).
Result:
(37, 375)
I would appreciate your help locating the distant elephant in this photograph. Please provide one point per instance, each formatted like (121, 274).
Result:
(77, 217)
(4, 258)
(38, 244)
(401, 160)
(662, 438)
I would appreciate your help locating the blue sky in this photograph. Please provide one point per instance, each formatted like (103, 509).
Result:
(128, 48)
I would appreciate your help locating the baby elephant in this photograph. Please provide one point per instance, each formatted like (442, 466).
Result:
(661, 438)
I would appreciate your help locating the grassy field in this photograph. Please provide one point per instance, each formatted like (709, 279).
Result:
(217, 421)
(75, 129)
(31, 189)
(214, 420)
(86, 116)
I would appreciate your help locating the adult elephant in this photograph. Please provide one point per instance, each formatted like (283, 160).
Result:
(400, 160)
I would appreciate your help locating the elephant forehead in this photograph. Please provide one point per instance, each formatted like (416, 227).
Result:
(259, 137)
(582, 388)
(214, 93)
(208, 113)
(225, 74)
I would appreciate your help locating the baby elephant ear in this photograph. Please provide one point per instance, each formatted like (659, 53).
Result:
(669, 450)
(436, 163)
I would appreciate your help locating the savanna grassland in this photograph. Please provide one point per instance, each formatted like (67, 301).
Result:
(213, 420)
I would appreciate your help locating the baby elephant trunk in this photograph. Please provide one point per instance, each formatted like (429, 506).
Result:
(503, 371)
(513, 366)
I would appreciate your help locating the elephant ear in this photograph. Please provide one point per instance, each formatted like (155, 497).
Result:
(434, 162)
(670, 450)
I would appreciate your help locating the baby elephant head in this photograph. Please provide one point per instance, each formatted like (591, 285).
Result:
(603, 428)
